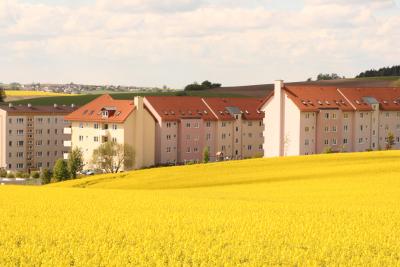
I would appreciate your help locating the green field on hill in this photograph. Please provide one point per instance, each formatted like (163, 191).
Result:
(325, 210)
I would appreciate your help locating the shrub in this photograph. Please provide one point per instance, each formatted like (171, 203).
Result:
(35, 175)
(18, 174)
(60, 171)
(46, 176)
(3, 173)
(10, 175)
(25, 175)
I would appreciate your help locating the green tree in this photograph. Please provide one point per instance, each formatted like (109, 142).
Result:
(206, 155)
(60, 171)
(75, 162)
(389, 141)
(46, 176)
(112, 157)
(2, 94)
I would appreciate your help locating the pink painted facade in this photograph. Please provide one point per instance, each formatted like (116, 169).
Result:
(304, 120)
(186, 126)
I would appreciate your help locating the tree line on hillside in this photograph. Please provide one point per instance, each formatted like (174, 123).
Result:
(386, 71)
(2, 94)
(203, 86)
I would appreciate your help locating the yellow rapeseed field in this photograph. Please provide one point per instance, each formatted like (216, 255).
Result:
(330, 210)
(15, 93)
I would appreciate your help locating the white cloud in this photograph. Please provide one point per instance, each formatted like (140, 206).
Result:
(235, 43)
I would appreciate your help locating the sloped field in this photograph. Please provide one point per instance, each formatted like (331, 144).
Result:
(304, 211)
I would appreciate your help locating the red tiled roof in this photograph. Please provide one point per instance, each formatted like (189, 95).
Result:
(387, 97)
(248, 107)
(174, 108)
(119, 110)
(314, 98)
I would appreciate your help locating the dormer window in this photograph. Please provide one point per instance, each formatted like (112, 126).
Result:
(104, 113)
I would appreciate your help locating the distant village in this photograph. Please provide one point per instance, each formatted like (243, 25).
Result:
(76, 89)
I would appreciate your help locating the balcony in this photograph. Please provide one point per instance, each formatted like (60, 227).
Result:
(66, 156)
(68, 130)
(67, 143)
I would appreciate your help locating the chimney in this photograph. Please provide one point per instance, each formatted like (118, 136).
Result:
(10, 105)
(55, 105)
(29, 105)
(72, 105)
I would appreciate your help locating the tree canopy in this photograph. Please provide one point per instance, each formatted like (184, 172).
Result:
(203, 86)
(327, 76)
(386, 71)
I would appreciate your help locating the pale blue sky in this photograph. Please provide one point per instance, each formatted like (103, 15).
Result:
(175, 42)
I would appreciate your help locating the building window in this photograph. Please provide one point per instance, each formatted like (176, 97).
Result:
(40, 120)
(250, 123)
(81, 125)
(20, 165)
(326, 115)
(196, 149)
(334, 141)
(326, 142)
(20, 154)
(96, 126)
(188, 149)
(306, 142)
(345, 128)
(55, 131)
(307, 115)
(345, 141)
(307, 129)
(361, 128)
(334, 116)
(326, 129)
(96, 139)
(168, 137)
(20, 132)
(223, 148)
(260, 123)
(346, 115)
(20, 143)
(250, 135)
(360, 140)
(39, 154)
(361, 115)
(208, 136)
(188, 125)
(208, 124)
(249, 147)
(334, 129)
(115, 127)
(223, 124)
(196, 125)
(10, 121)
(373, 132)
(237, 140)
(168, 125)
(168, 149)
(81, 138)
(39, 142)
(387, 114)
(223, 136)
(260, 147)
(20, 120)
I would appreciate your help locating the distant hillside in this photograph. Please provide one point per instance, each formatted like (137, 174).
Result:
(263, 89)
(382, 72)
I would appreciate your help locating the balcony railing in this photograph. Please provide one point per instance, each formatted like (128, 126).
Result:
(67, 143)
(68, 130)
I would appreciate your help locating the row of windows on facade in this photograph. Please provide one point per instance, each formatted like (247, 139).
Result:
(97, 139)
(38, 120)
(208, 136)
(30, 131)
(37, 154)
(21, 165)
(223, 148)
(333, 116)
(346, 141)
(37, 143)
(346, 128)
(104, 126)
(208, 124)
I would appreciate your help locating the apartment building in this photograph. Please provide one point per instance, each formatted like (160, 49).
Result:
(303, 120)
(32, 137)
(122, 121)
(229, 127)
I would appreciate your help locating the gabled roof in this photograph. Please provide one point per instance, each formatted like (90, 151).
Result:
(314, 98)
(92, 112)
(388, 98)
(226, 108)
(174, 108)
(38, 110)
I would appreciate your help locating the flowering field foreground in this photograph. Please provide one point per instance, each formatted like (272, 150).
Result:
(32, 93)
(305, 211)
